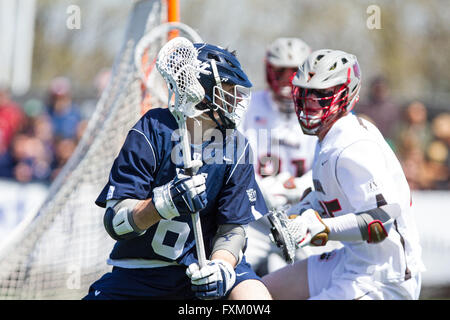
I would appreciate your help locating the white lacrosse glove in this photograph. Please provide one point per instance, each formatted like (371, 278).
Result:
(183, 195)
(308, 228)
(213, 281)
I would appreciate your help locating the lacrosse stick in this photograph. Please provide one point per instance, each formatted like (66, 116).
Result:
(177, 63)
(280, 236)
(146, 54)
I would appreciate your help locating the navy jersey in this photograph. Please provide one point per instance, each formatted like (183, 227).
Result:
(149, 159)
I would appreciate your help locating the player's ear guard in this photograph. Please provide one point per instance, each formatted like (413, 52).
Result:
(120, 225)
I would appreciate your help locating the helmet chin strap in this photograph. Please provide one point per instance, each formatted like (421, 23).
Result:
(226, 123)
(323, 124)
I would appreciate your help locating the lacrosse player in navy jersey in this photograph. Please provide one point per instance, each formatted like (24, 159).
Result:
(149, 198)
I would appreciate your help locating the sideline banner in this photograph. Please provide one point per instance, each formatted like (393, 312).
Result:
(432, 213)
(17, 200)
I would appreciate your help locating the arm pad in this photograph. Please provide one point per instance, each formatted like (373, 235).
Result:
(375, 224)
(232, 238)
(372, 226)
(118, 220)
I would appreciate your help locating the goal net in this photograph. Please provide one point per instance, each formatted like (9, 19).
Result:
(63, 248)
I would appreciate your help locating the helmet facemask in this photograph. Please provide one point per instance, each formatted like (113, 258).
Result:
(280, 82)
(231, 105)
(325, 87)
(283, 57)
(279, 79)
(317, 108)
(227, 87)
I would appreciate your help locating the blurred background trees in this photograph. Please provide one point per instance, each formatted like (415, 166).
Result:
(402, 48)
(410, 50)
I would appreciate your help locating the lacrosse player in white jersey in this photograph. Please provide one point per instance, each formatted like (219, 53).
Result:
(361, 198)
(282, 153)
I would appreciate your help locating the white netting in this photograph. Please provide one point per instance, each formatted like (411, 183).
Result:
(177, 62)
(63, 249)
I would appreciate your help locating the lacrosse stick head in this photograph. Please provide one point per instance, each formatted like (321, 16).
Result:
(280, 235)
(153, 86)
(178, 64)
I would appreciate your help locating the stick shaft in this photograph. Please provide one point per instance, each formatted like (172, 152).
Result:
(199, 244)
(196, 223)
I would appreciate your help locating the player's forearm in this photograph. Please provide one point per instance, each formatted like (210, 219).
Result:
(372, 225)
(229, 243)
(145, 214)
(343, 228)
(226, 256)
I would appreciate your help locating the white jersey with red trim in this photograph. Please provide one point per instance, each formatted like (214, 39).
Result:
(355, 170)
(282, 153)
(282, 157)
(277, 140)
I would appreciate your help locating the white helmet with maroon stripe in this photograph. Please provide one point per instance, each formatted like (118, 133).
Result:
(327, 84)
(283, 57)
(287, 52)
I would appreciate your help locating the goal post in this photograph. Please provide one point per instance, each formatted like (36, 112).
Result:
(63, 248)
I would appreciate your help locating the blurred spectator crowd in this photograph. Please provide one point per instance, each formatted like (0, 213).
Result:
(420, 141)
(38, 137)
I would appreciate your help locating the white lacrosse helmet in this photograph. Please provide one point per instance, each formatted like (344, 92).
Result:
(326, 84)
(283, 57)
